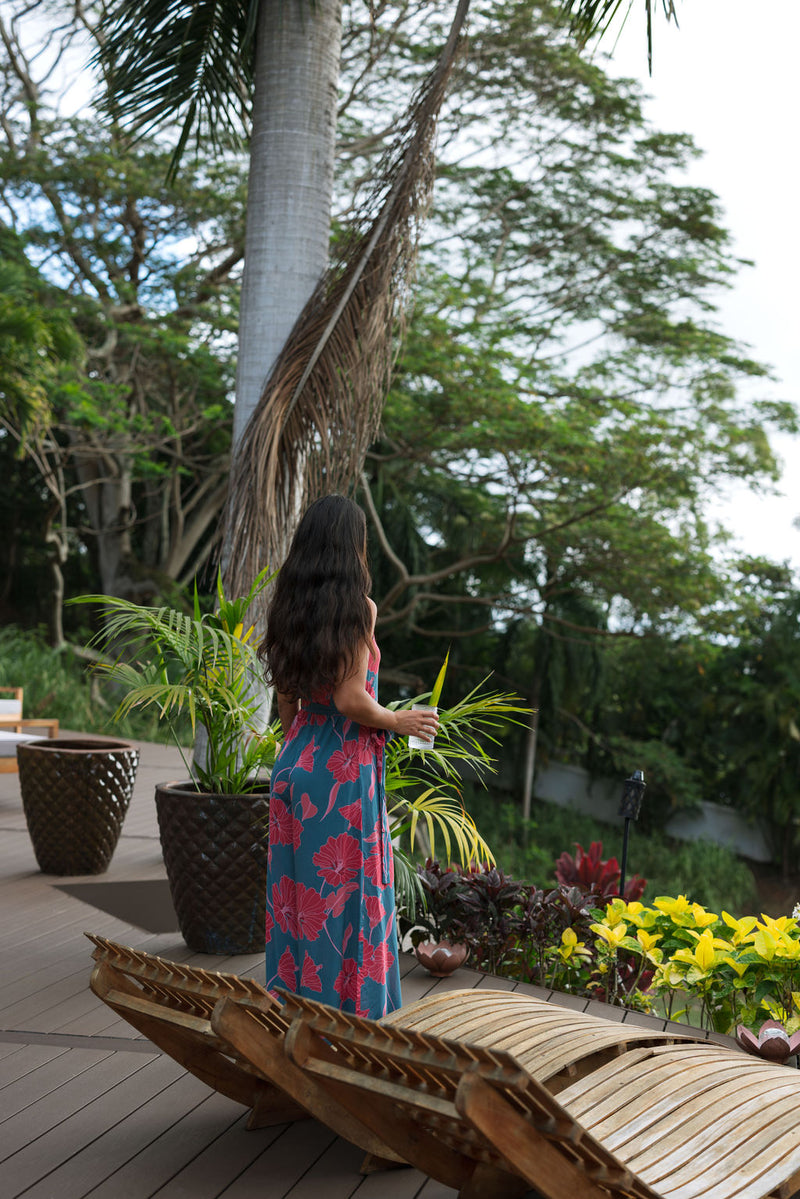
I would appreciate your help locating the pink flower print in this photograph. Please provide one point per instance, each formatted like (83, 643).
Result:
(287, 970)
(348, 984)
(344, 763)
(270, 924)
(377, 960)
(306, 759)
(308, 808)
(284, 905)
(374, 909)
(310, 979)
(311, 912)
(281, 822)
(370, 743)
(373, 867)
(336, 900)
(278, 786)
(332, 797)
(352, 814)
(339, 860)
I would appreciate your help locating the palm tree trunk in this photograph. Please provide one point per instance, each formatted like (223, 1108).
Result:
(291, 182)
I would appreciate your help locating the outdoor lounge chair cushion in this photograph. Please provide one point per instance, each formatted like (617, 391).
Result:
(8, 748)
(11, 718)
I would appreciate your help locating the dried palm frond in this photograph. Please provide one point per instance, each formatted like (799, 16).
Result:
(322, 404)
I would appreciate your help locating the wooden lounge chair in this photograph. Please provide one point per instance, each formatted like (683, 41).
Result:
(13, 728)
(685, 1120)
(173, 1004)
(488, 1092)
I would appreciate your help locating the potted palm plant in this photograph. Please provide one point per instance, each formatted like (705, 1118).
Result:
(423, 799)
(214, 824)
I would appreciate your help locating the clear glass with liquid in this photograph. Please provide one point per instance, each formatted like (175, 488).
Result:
(421, 742)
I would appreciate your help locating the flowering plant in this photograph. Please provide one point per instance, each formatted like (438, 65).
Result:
(724, 971)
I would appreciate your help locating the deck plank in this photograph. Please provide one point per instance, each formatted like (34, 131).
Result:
(211, 1171)
(146, 1149)
(88, 1108)
(44, 1068)
(276, 1171)
(48, 1133)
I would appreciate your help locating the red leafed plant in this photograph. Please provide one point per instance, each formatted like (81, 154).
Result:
(589, 872)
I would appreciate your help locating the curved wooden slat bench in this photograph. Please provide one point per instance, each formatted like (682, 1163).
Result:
(173, 1005)
(687, 1120)
(489, 1092)
(552, 1043)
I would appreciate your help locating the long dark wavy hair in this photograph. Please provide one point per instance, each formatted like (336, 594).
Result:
(318, 618)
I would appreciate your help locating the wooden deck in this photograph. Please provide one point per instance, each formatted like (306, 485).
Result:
(88, 1108)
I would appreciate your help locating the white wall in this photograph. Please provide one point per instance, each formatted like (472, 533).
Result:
(572, 787)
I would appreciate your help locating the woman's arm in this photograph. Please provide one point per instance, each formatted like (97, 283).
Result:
(354, 701)
(287, 710)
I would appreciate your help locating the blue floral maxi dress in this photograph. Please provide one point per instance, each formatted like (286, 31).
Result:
(331, 927)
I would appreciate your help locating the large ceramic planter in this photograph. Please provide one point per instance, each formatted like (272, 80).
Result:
(75, 793)
(215, 852)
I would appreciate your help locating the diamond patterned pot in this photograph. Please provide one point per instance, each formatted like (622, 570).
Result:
(215, 852)
(75, 793)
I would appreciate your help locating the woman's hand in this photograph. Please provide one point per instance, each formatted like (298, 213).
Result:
(416, 724)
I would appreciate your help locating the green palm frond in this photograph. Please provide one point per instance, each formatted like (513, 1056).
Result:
(199, 665)
(464, 729)
(422, 787)
(408, 890)
(588, 18)
(169, 61)
(443, 816)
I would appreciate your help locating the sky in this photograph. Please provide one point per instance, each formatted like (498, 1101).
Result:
(729, 76)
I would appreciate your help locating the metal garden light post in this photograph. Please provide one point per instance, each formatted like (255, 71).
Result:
(632, 793)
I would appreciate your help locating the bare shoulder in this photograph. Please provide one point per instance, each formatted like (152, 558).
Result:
(373, 607)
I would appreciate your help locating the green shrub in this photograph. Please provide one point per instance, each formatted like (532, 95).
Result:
(707, 873)
(58, 684)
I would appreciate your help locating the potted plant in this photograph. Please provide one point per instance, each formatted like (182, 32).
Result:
(75, 793)
(214, 824)
(423, 797)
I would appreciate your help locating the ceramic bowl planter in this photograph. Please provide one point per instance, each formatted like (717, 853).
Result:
(441, 958)
(75, 793)
(215, 853)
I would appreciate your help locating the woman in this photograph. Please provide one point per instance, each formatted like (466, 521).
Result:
(331, 929)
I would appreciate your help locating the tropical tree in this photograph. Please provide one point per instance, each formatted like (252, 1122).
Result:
(272, 69)
(130, 429)
(269, 71)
